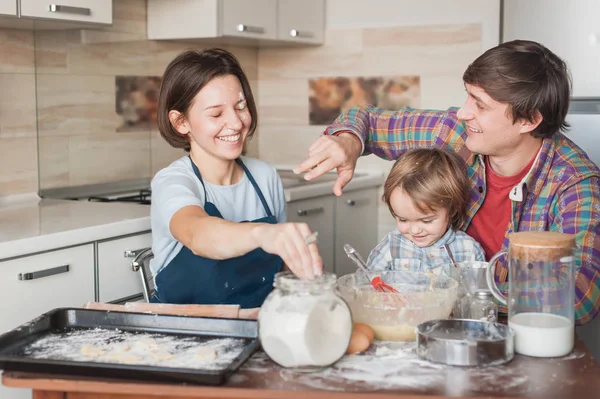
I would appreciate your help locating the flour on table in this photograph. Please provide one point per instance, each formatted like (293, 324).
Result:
(117, 346)
(396, 365)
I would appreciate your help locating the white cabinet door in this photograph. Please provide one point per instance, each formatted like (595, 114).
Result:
(570, 29)
(116, 280)
(301, 21)
(355, 224)
(318, 213)
(33, 285)
(89, 11)
(8, 7)
(255, 19)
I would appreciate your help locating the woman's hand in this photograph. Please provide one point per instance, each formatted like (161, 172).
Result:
(288, 240)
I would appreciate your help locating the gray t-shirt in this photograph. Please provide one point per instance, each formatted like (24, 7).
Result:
(176, 186)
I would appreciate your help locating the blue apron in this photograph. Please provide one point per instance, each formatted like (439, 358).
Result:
(245, 280)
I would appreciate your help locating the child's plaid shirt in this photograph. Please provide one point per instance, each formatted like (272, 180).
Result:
(396, 252)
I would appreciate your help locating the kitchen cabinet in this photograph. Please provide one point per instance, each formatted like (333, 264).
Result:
(301, 21)
(568, 28)
(319, 214)
(355, 224)
(349, 219)
(64, 14)
(257, 22)
(8, 8)
(32, 285)
(117, 282)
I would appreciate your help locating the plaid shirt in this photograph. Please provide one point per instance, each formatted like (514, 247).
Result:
(561, 193)
(396, 252)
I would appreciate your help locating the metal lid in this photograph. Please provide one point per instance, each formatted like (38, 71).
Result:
(483, 294)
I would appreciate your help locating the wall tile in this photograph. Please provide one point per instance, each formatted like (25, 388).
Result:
(18, 166)
(75, 105)
(107, 158)
(17, 105)
(16, 48)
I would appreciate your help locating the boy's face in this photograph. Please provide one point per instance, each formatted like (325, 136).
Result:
(423, 229)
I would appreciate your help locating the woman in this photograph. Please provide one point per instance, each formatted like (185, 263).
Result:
(204, 253)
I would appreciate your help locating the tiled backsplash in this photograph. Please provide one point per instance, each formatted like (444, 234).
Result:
(71, 74)
(75, 83)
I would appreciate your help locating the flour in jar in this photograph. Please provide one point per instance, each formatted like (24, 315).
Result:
(124, 347)
(305, 331)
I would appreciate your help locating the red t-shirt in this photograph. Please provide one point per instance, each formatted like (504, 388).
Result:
(489, 224)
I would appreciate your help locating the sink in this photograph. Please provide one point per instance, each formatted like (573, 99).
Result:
(290, 179)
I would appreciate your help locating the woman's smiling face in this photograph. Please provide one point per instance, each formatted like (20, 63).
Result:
(218, 120)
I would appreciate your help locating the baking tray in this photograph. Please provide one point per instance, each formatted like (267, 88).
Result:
(464, 342)
(59, 325)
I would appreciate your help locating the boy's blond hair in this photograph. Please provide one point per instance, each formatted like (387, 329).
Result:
(433, 179)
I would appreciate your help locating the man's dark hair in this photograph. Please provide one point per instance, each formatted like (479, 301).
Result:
(529, 78)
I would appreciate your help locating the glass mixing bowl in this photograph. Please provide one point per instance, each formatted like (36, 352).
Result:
(394, 316)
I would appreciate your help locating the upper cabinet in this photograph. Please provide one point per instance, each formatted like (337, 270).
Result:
(241, 18)
(55, 14)
(301, 21)
(261, 22)
(8, 8)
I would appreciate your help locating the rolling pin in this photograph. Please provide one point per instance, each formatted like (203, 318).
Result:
(218, 311)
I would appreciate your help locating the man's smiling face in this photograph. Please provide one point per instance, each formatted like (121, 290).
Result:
(489, 125)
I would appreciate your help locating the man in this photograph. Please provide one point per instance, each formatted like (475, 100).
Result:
(525, 174)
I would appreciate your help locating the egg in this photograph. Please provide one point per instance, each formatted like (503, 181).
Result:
(358, 343)
(365, 329)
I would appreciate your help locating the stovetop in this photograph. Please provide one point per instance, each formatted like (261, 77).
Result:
(140, 197)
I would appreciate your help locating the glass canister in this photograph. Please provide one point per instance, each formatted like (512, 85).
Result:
(470, 276)
(304, 324)
(483, 307)
(541, 292)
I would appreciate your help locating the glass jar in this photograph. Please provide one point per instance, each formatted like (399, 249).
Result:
(304, 324)
(483, 307)
(541, 291)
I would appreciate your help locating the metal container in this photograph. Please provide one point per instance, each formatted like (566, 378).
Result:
(460, 342)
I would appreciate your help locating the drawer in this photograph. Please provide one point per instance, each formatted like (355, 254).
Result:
(46, 284)
(90, 11)
(116, 280)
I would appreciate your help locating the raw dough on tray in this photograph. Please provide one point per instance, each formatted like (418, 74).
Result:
(92, 351)
(206, 354)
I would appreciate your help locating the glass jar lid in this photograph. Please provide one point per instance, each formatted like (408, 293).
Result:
(483, 294)
(288, 281)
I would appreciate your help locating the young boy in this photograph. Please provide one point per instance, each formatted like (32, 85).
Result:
(426, 192)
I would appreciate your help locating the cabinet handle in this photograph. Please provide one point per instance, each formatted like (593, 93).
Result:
(69, 9)
(250, 29)
(43, 273)
(133, 253)
(350, 202)
(311, 211)
(297, 33)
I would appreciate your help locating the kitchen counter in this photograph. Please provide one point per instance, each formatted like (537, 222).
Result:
(386, 370)
(296, 188)
(29, 224)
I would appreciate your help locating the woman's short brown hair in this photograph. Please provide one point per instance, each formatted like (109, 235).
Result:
(433, 179)
(185, 76)
(529, 78)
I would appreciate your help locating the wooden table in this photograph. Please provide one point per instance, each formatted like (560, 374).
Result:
(387, 370)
